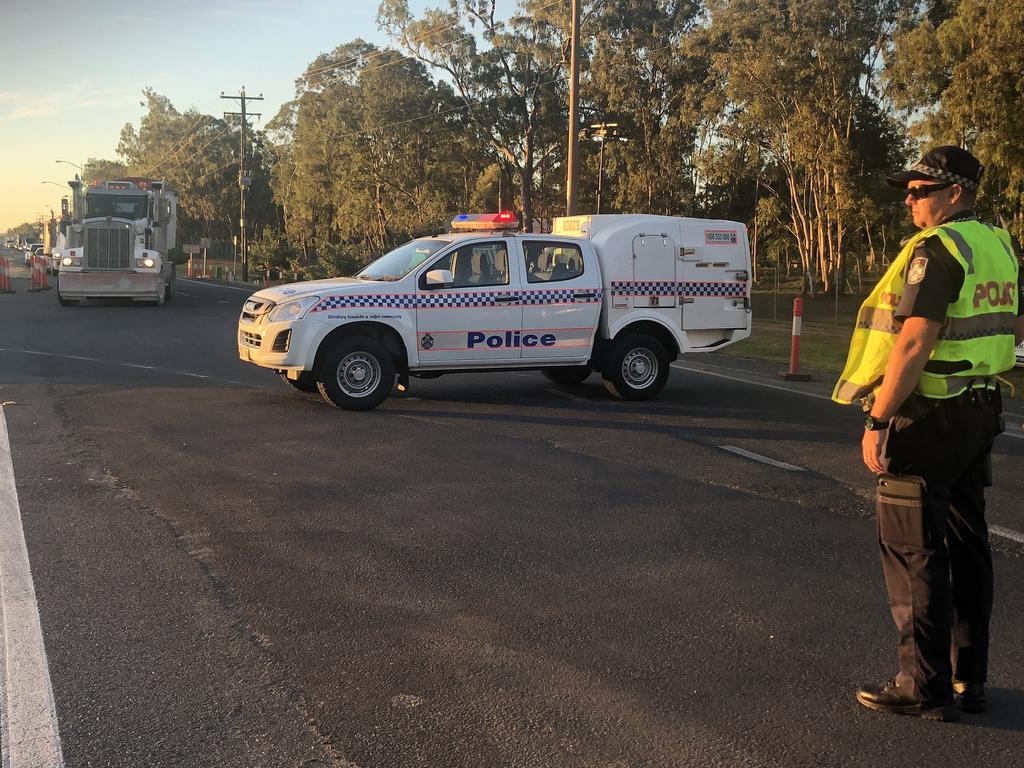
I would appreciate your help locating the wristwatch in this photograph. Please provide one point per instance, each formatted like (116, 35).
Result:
(871, 424)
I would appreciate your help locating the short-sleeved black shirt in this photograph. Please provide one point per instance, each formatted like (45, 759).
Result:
(942, 280)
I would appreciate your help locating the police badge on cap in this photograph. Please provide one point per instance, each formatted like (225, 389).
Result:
(942, 164)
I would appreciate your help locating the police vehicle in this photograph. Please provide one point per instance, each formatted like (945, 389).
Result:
(623, 295)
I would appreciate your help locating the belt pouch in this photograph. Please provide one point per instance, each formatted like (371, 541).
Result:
(901, 521)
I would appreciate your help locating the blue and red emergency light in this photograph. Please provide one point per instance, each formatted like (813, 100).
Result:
(485, 222)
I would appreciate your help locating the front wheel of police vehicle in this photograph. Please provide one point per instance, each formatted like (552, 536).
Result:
(636, 367)
(356, 373)
(568, 374)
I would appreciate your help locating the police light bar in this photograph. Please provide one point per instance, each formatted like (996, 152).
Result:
(485, 222)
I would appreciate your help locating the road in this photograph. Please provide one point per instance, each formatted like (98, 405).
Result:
(493, 572)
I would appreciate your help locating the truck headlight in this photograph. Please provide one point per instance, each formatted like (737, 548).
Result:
(292, 310)
(71, 261)
(146, 262)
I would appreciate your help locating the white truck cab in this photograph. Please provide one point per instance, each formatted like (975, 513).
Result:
(624, 295)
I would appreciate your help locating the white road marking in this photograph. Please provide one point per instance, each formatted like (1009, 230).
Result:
(781, 388)
(182, 293)
(175, 371)
(29, 737)
(219, 285)
(1007, 533)
(762, 459)
(752, 382)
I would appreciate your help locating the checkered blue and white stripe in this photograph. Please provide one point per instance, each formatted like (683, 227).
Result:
(455, 300)
(678, 288)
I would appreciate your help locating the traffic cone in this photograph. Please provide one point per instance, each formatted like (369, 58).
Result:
(39, 281)
(5, 278)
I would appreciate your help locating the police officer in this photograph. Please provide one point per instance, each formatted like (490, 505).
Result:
(930, 339)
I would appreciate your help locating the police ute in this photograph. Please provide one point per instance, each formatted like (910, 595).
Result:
(622, 295)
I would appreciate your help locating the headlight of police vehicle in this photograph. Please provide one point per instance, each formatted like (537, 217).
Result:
(292, 310)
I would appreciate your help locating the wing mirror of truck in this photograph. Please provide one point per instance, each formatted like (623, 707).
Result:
(439, 278)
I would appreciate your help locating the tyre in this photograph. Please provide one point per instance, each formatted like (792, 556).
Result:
(356, 374)
(636, 367)
(66, 302)
(305, 383)
(169, 290)
(160, 297)
(568, 374)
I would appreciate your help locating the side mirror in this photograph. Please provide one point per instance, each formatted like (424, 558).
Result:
(439, 278)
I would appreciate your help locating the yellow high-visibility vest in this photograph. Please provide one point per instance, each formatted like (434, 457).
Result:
(978, 328)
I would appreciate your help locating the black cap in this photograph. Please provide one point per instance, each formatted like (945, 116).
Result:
(947, 163)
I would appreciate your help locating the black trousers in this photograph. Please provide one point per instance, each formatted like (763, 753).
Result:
(935, 554)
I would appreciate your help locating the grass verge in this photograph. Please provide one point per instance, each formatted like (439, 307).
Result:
(823, 349)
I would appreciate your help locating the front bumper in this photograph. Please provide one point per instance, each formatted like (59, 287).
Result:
(289, 345)
(145, 286)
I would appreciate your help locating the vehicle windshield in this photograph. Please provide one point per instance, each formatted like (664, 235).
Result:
(118, 206)
(400, 262)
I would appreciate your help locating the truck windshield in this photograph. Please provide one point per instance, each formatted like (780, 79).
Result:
(404, 259)
(119, 206)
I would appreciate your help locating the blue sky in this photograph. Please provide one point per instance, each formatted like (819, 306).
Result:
(65, 95)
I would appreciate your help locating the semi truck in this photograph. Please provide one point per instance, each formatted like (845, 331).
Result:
(118, 242)
(619, 295)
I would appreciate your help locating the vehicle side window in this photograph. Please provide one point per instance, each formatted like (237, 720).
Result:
(477, 264)
(552, 262)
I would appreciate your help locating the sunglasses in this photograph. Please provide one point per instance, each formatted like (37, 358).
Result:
(920, 193)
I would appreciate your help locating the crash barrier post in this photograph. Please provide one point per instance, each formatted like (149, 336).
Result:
(5, 277)
(39, 281)
(794, 350)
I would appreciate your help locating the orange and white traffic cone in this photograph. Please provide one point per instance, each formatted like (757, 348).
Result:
(5, 278)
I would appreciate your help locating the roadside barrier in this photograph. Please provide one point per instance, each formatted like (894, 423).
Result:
(794, 349)
(39, 280)
(5, 277)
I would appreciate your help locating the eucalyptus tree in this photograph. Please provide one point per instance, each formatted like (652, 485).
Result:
(509, 75)
(798, 82)
(646, 74)
(959, 70)
(367, 155)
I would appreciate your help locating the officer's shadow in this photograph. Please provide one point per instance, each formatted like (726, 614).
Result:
(1005, 711)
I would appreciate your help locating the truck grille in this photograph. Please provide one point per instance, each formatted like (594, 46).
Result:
(249, 339)
(108, 247)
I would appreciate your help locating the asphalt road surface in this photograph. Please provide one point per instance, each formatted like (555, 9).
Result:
(495, 572)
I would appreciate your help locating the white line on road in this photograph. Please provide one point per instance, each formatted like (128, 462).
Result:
(175, 371)
(762, 459)
(30, 737)
(217, 285)
(1007, 533)
(781, 388)
(752, 382)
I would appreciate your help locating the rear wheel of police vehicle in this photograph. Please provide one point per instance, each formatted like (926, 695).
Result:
(568, 374)
(636, 367)
(356, 374)
(305, 383)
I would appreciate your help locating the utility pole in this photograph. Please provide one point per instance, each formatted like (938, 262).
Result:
(243, 180)
(574, 84)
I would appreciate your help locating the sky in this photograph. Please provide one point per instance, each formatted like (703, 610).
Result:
(73, 73)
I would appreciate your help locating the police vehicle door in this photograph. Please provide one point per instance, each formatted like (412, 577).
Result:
(478, 319)
(561, 302)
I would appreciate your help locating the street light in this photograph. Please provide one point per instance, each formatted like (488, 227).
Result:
(56, 184)
(603, 132)
(73, 165)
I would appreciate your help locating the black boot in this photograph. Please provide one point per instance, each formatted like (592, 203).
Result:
(970, 697)
(889, 697)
